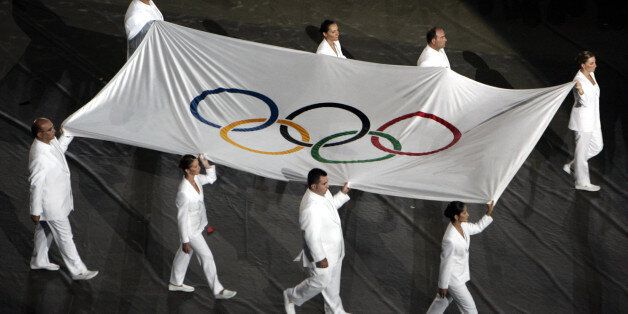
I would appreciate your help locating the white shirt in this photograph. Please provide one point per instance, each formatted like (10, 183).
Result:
(325, 49)
(585, 113)
(191, 212)
(50, 186)
(454, 257)
(137, 15)
(322, 228)
(431, 57)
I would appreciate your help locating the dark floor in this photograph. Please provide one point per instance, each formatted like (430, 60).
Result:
(550, 250)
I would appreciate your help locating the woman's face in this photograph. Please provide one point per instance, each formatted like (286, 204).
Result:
(464, 215)
(194, 168)
(332, 33)
(589, 65)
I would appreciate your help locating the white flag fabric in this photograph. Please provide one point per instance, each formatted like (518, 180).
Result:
(426, 133)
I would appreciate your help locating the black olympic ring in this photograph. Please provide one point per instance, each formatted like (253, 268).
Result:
(366, 124)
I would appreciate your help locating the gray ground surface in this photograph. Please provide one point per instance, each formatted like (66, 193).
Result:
(550, 250)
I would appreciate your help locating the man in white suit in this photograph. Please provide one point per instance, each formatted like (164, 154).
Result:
(324, 246)
(433, 55)
(51, 200)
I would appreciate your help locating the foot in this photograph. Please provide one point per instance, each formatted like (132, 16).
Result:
(567, 168)
(50, 266)
(225, 294)
(588, 187)
(86, 275)
(287, 304)
(182, 288)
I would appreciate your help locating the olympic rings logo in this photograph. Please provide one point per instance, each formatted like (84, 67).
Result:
(328, 141)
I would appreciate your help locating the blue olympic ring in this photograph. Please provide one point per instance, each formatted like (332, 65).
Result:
(274, 111)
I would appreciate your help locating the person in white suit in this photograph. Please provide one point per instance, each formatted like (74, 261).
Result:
(433, 55)
(585, 122)
(454, 259)
(51, 200)
(137, 22)
(324, 247)
(330, 45)
(192, 220)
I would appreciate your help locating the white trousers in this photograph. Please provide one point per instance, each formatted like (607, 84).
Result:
(321, 280)
(460, 295)
(61, 232)
(204, 256)
(588, 144)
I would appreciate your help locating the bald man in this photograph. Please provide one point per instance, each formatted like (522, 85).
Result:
(51, 200)
(433, 55)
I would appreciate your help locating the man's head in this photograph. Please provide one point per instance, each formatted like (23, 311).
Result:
(43, 130)
(436, 38)
(317, 181)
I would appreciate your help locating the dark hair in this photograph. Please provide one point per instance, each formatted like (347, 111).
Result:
(314, 176)
(34, 128)
(325, 25)
(431, 34)
(583, 56)
(454, 208)
(186, 162)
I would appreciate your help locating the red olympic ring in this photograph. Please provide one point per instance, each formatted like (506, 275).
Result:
(456, 133)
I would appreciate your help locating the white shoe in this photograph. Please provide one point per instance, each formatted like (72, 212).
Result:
(588, 187)
(287, 304)
(225, 294)
(567, 168)
(182, 288)
(50, 266)
(86, 275)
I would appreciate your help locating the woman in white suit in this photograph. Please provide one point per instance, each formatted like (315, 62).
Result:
(192, 219)
(585, 122)
(454, 259)
(330, 45)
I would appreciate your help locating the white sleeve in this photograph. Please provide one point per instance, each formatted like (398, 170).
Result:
(446, 260)
(182, 217)
(311, 226)
(473, 228)
(340, 199)
(582, 100)
(64, 141)
(209, 177)
(37, 180)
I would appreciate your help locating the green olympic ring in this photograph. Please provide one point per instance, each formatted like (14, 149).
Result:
(316, 148)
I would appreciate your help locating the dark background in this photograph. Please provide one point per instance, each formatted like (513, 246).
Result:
(551, 249)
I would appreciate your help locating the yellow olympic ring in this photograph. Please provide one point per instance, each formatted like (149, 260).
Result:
(305, 136)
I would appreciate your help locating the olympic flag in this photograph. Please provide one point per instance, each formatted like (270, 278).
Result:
(426, 133)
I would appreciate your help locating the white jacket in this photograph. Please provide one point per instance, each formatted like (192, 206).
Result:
(325, 49)
(454, 257)
(137, 15)
(431, 57)
(191, 213)
(585, 113)
(50, 186)
(322, 228)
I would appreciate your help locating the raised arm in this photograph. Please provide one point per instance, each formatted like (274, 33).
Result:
(473, 228)
(342, 196)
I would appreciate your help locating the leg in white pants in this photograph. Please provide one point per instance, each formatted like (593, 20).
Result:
(325, 280)
(204, 256)
(43, 239)
(61, 232)
(588, 144)
(460, 295)
(331, 293)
